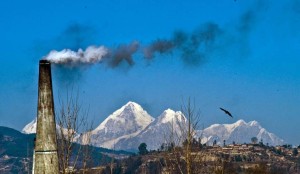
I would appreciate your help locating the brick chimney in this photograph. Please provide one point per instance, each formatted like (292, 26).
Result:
(45, 151)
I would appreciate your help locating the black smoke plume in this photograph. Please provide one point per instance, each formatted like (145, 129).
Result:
(192, 47)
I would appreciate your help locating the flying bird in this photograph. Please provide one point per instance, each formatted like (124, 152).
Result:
(226, 112)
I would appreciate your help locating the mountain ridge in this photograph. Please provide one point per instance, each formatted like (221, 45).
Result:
(131, 125)
(127, 120)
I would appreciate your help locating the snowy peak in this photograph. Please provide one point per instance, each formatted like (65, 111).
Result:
(129, 119)
(254, 123)
(239, 132)
(239, 123)
(169, 116)
(30, 128)
(167, 125)
(141, 117)
(131, 112)
(132, 106)
(231, 127)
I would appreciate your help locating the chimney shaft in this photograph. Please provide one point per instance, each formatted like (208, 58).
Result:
(45, 152)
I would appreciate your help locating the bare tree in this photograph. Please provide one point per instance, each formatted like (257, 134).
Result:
(72, 119)
(193, 120)
(184, 152)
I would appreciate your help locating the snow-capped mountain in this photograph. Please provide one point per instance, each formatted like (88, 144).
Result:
(127, 121)
(165, 128)
(30, 128)
(238, 132)
(131, 125)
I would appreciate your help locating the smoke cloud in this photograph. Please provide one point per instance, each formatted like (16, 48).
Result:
(90, 56)
(159, 46)
(76, 36)
(93, 54)
(192, 48)
(122, 53)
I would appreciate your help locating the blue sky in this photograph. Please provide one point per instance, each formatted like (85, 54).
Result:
(251, 68)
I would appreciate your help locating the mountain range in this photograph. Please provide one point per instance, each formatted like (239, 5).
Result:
(16, 152)
(131, 125)
(238, 132)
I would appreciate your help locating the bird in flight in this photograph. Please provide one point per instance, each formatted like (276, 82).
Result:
(226, 112)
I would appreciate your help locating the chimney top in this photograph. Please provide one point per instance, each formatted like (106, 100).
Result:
(44, 62)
